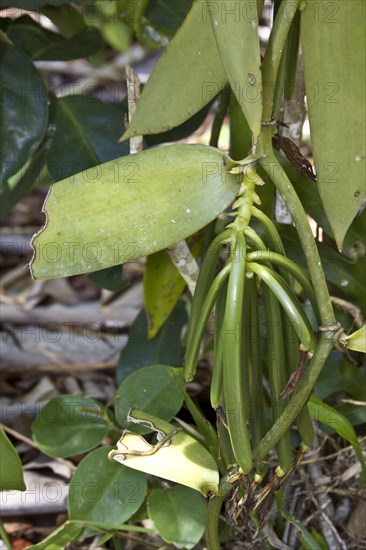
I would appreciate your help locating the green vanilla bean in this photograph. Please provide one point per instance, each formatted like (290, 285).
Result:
(236, 408)
(204, 281)
(255, 376)
(290, 266)
(273, 235)
(255, 238)
(277, 371)
(217, 374)
(193, 345)
(288, 301)
(300, 396)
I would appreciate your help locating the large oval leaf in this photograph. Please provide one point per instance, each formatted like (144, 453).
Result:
(153, 389)
(103, 493)
(235, 26)
(178, 514)
(186, 78)
(131, 207)
(24, 110)
(86, 134)
(68, 425)
(332, 35)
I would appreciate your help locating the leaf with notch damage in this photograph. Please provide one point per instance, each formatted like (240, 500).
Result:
(131, 207)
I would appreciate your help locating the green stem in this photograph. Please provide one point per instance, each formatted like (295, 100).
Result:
(277, 371)
(193, 344)
(234, 391)
(272, 57)
(204, 281)
(293, 203)
(212, 522)
(291, 267)
(300, 397)
(217, 375)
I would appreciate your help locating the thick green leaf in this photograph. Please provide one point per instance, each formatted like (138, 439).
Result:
(183, 460)
(131, 207)
(11, 472)
(164, 348)
(61, 537)
(68, 425)
(86, 134)
(235, 26)
(178, 515)
(103, 492)
(24, 110)
(153, 389)
(187, 77)
(163, 286)
(331, 417)
(110, 278)
(334, 78)
(40, 43)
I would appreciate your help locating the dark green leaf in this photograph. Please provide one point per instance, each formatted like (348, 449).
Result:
(87, 132)
(103, 492)
(167, 15)
(339, 271)
(340, 375)
(334, 82)
(165, 348)
(192, 51)
(24, 110)
(35, 5)
(178, 515)
(110, 278)
(40, 43)
(11, 472)
(152, 389)
(21, 183)
(182, 131)
(66, 17)
(69, 425)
